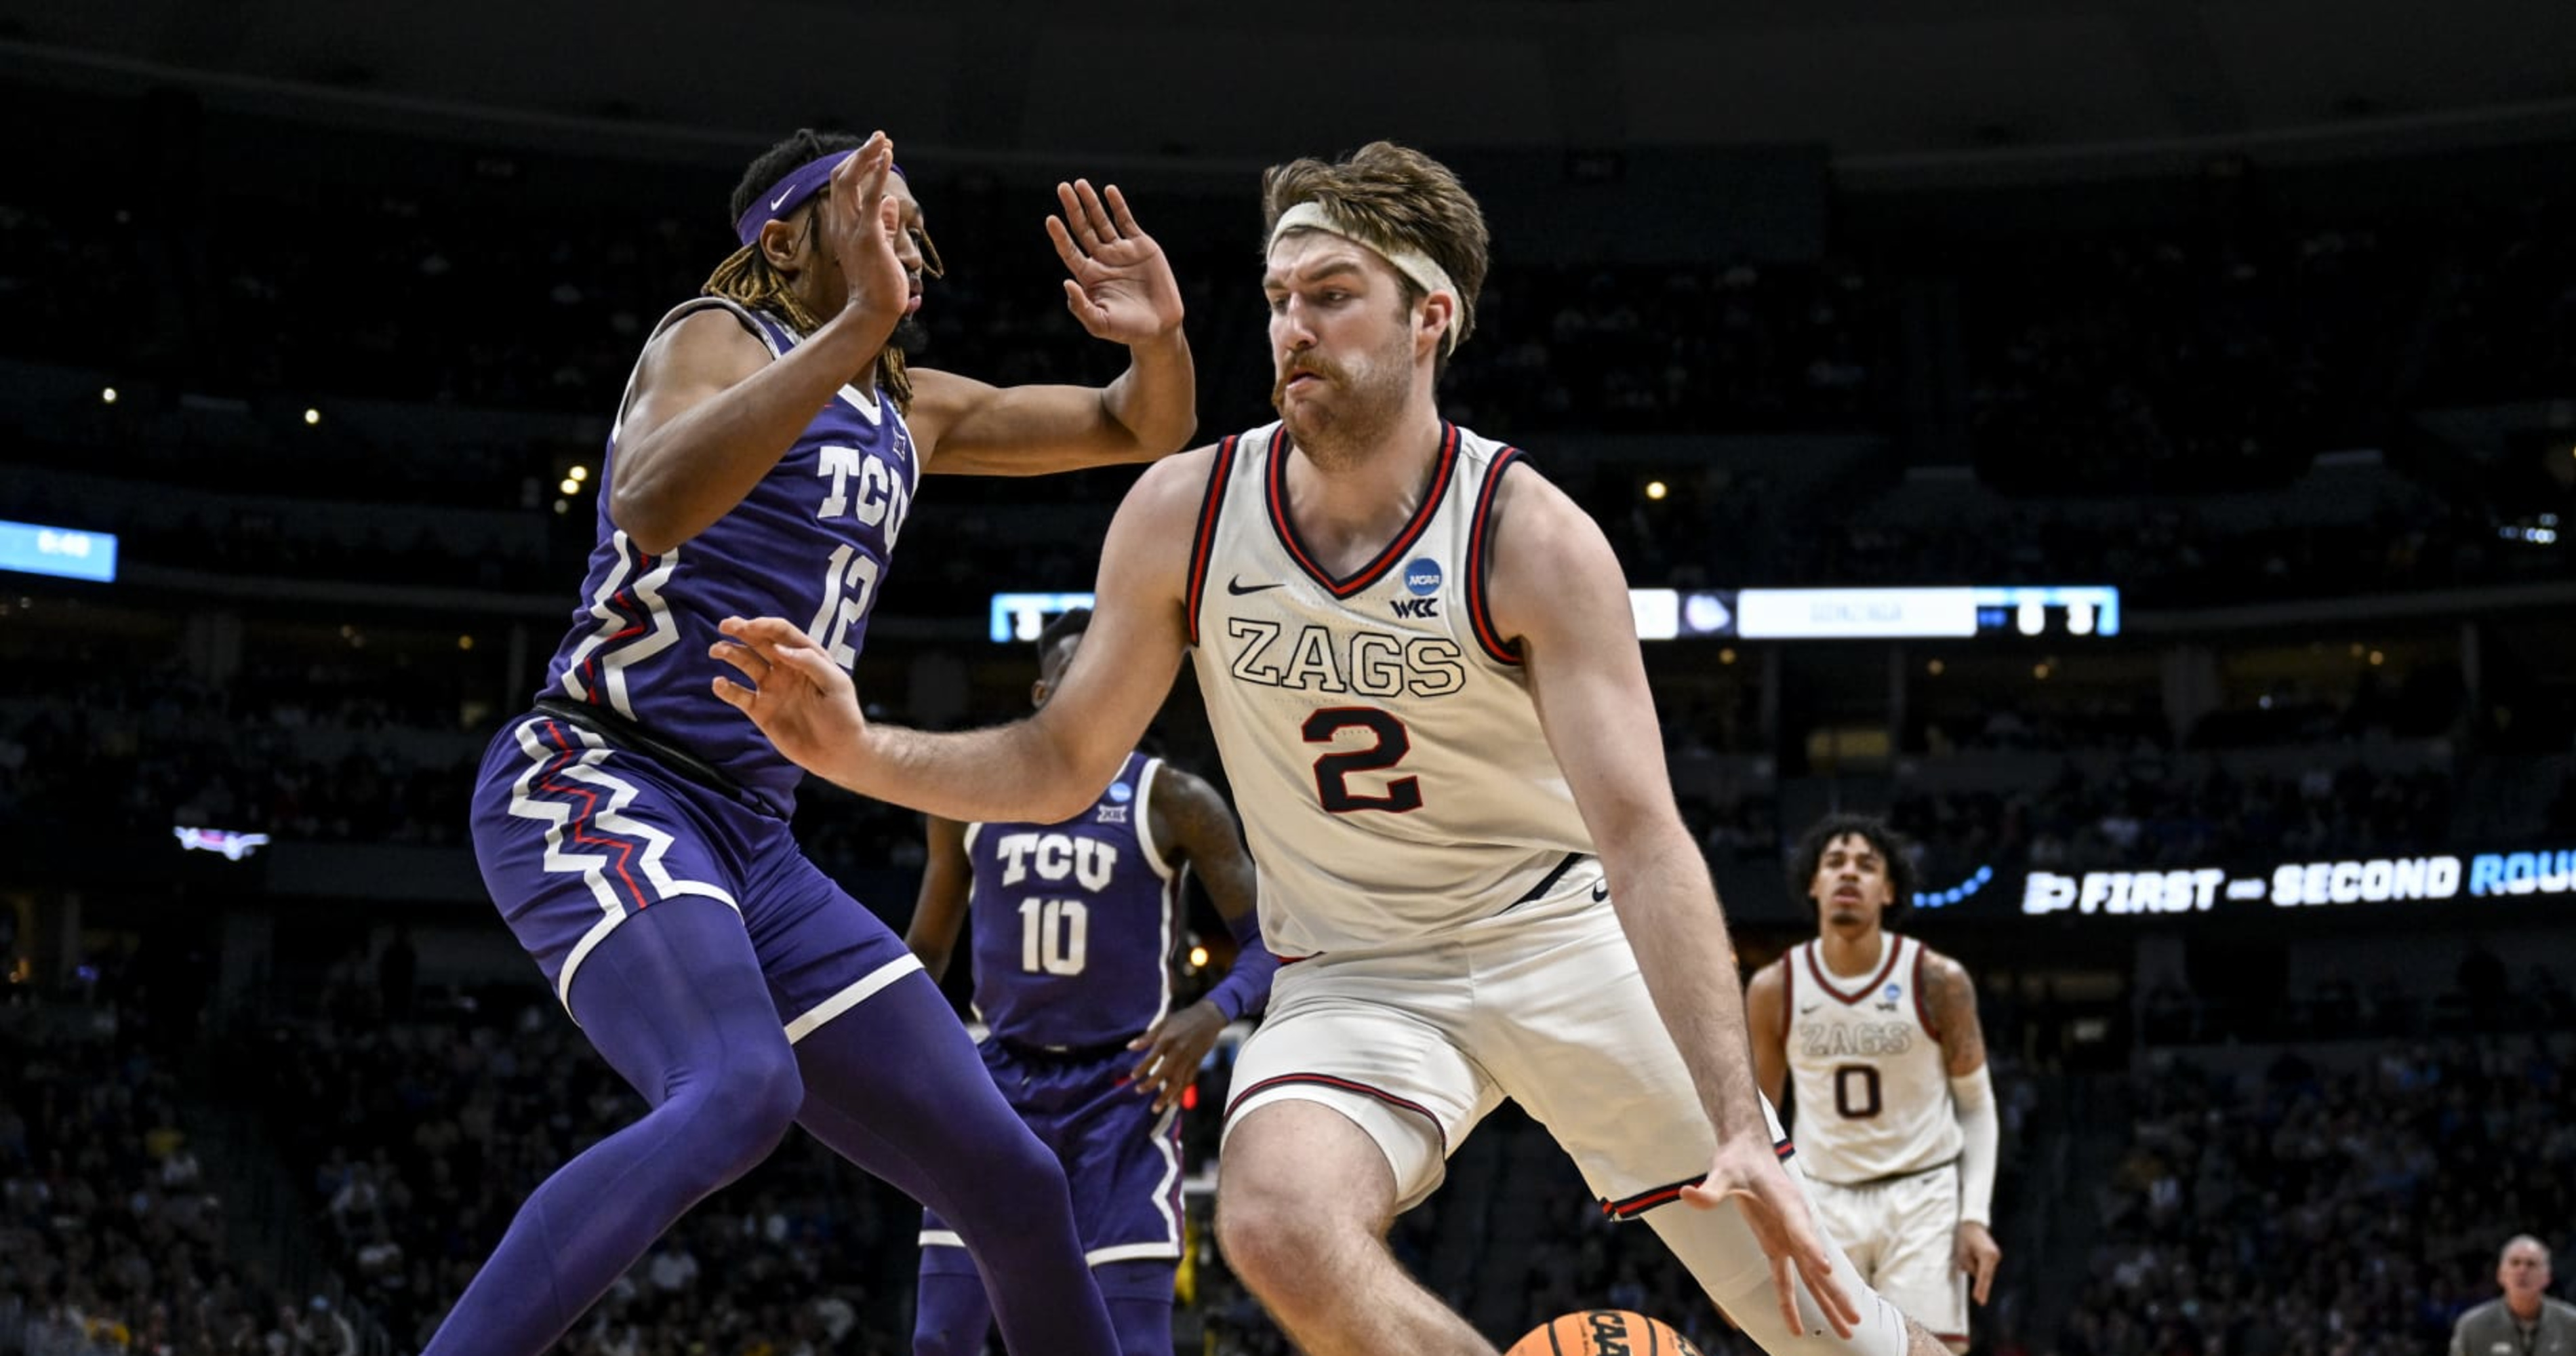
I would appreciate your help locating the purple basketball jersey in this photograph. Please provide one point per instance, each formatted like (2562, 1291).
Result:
(1075, 923)
(810, 543)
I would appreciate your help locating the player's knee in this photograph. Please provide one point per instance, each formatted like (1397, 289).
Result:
(1278, 1245)
(1011, 1198)
(744, 1109)
(1023, 1172)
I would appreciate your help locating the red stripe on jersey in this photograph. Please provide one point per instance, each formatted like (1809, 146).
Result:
(1277, 494)
(1895, 947)
(589, 805)
(1480, 564)
(1922, 1013)
(1346, 1085)
(1204, 540)
(1630, 1207)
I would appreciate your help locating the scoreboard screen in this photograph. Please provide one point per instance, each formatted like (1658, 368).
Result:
(1962, 612)
(63, 552)
(1957, 613)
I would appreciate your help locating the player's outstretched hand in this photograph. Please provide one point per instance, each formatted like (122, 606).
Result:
(1977, 1255)
(862, 230)
(1122, 288)
(798, 697)
(1174, 1048)
(1748, 1172)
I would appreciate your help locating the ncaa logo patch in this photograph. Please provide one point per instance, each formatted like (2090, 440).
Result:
(1894, 992)
(1422, 577)
(1121, 792)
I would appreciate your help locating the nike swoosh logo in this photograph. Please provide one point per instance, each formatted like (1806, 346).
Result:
(773, 203)
(1238, 588)
(1600, 891)
(1811, 1007)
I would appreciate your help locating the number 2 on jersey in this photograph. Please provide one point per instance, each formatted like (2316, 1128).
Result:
(847, 571)
(1332, 770)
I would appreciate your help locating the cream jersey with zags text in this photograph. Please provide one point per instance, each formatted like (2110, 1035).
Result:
(1379, 734)
(1873, 1090)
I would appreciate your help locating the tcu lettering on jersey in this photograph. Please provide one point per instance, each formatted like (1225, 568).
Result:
(1075, 924)
(1056, 857)
(812, 539)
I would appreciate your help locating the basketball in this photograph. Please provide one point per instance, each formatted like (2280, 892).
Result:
(1602, 1332)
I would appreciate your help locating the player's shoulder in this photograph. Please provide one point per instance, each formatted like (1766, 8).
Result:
(710, 325)
(1179, 480)
(1939, 969)
(1178, 788)
(1770, 977)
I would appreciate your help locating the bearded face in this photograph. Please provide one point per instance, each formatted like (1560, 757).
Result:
(1341, 342)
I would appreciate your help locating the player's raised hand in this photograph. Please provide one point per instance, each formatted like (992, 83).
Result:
(798, 697)
(1978, 1255)
(1122, 287)
(1748, 1172)
(1174, 1048)
(861, 231)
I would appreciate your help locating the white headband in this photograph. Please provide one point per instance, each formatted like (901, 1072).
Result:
(1414, 264)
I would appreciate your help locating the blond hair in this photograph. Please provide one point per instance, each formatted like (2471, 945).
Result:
(1397, 196)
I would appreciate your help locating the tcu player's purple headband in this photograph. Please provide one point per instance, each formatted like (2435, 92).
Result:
(790, 193)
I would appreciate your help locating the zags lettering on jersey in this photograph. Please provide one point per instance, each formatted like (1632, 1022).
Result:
(1323, 659)
(1873, 1038)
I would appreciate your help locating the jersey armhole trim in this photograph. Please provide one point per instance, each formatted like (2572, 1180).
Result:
(1788, 991)
(674, 316)
(1154, 856)
(1480, 564)
(741, 316)
(1203, 541)
(972, 830)
(1922, 1011)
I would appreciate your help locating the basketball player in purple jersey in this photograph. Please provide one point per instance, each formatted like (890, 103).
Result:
(634, 831)
(1074, 928)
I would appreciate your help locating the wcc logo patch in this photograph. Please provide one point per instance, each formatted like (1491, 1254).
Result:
(1422, 580)
(1888, 997)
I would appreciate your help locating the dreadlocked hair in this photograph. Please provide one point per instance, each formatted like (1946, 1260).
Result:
(746, 278)
(1396, 196)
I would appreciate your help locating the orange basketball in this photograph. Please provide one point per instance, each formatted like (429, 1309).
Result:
(1603, 1332)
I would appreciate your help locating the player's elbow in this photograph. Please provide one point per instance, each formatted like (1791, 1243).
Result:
(1154, 431)
(646, 518)
(1172, 435)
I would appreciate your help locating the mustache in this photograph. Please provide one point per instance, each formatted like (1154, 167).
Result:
(1311, 364)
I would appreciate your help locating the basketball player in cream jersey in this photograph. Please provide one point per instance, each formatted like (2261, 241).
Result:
(1419, 663)
(1895, 1112)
